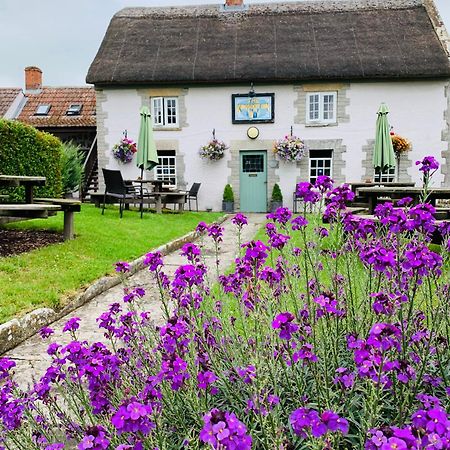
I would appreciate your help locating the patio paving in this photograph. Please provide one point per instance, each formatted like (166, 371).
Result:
(31, 357)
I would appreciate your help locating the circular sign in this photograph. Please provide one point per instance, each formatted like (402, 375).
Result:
(253, 132)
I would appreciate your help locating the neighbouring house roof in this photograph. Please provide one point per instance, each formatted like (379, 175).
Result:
(7, 98)
(299, 41)
(60, 99)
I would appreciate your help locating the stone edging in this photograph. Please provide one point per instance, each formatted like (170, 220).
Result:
(15, 331)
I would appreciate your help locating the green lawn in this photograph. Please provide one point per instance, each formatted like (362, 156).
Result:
(46, 277)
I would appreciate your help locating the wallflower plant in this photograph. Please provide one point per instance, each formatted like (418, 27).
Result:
(321, 336)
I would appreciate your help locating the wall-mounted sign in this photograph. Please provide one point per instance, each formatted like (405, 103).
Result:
(256, 108)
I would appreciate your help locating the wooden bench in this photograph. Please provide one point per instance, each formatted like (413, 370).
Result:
(68, 206)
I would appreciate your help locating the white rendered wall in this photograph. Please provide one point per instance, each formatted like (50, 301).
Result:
(416, 112)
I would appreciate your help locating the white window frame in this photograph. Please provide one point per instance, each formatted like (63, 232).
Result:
(321, 110)
(167, 162)
(387, 176)
(162, 113)
(312, 178)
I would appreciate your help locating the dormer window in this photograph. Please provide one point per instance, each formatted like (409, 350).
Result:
(42, 110)
(74, 110)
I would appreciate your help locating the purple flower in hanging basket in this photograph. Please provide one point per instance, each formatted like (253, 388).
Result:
(213, 150)
(291, 148)
(124, 150)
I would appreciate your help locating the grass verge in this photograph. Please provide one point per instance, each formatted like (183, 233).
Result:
(48, 276)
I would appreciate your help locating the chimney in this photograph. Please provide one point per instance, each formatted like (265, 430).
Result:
(33, 79)
(234, 3)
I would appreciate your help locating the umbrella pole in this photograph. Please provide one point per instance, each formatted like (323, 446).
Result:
(142, 191)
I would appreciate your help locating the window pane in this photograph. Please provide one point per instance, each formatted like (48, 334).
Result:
(157, 111)
(171, 111)
(253, 163)
(314, 107)
(328, 107)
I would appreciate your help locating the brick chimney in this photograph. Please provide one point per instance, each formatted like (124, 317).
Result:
(33, 79)
(232, 3)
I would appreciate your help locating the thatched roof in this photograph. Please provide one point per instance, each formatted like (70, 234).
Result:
(320, 40)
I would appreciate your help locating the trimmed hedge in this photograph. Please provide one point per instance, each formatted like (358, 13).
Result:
(26, 151)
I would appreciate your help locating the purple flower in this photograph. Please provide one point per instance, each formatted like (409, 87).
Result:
(299, 222)
(281, 215)
(95, 438)
(153, 261)
(247, 374)
(225, 431)
(215, 232)
(191, 251)
(307, 192)
(56, 446)
(284, 323)
(427, 164)
(122, 267)
(45, 332)
(324, 183)
(205, 379)
(5, 366)
(133, 417)
(72, 324)
(239, 220)
(201, 228)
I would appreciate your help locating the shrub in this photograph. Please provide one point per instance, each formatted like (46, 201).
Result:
(72, 167)
(27, 151)
(228, 195)
(277, 196)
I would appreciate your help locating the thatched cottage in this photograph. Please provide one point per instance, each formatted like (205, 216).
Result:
(255, 72)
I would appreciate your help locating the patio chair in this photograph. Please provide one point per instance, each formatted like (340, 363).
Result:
(295, 200)
(192, 194)
(116, 187)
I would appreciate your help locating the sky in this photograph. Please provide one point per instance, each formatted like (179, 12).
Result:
(62, 37)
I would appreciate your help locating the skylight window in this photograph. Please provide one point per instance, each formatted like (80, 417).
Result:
(42, 110)
(74, 110)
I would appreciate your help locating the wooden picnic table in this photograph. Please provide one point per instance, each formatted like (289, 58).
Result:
(355, 185)
(175, 197)
(373, 194)
(22, 180)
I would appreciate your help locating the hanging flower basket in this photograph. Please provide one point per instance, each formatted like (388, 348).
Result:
(213, 150)
(124, 150)
(400, 144)
(291, 148)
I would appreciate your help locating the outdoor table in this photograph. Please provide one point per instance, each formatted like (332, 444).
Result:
(157, 185)
(178, 197)
(354, 185)
(21, 180)
(374, 193)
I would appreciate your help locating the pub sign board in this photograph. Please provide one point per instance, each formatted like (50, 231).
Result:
(255, 108)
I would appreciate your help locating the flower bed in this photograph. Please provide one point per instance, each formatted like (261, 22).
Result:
(321, 337)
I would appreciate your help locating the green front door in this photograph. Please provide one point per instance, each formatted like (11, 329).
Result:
(253, 181)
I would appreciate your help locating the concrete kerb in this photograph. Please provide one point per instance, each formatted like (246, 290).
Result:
(15, 331)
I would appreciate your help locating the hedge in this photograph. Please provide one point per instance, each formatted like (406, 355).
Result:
(24, 150)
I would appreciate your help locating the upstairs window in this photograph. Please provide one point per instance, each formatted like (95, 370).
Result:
(165, 112)
(42, 110)
(166, 170)
(321, 107)
(74, 110)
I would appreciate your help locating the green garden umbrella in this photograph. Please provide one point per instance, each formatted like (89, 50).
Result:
(383, 154)
(147, 157)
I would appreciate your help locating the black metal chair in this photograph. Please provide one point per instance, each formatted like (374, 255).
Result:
(296, 200)
(116, 187)
(192, 194)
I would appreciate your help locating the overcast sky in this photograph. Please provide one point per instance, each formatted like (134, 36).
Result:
(61, 37)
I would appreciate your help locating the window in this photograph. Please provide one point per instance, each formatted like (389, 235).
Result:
(321, 107)
(320, 163)
(42, 110)
(387, 176)
(166, 170)
(74, 110)
(165, 112)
